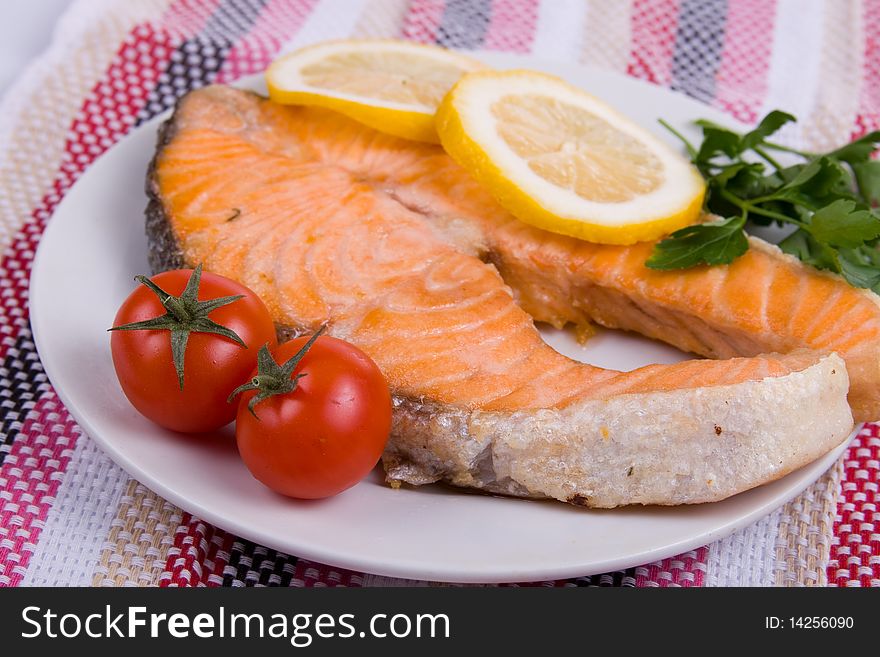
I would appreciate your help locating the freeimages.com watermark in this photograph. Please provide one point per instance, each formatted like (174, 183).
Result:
(300, 629)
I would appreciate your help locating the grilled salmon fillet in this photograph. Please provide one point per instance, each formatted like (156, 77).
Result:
(399, 251)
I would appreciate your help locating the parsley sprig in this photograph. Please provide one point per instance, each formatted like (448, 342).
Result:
(831, 198)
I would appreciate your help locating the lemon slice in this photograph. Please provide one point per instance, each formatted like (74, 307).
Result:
(556, 157)
(392, 86)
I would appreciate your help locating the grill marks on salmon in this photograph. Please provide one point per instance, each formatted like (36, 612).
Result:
(400, 252)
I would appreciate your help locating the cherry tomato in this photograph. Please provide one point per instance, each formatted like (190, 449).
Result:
(328, 432)
(213, 365)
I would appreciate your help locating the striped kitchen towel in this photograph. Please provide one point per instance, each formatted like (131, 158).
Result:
(70, 516)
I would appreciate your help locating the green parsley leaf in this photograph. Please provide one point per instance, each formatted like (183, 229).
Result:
(749, 182)
(711, 243)
(868, 179)
(732, 171)
(768, 125)
(830, 198)
(859, 150)
(817, 183)
(803, 246)
(718, 141)
(858, 269)
(841, 225)
(803, 173)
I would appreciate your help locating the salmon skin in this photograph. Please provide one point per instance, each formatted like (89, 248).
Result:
(397, 250)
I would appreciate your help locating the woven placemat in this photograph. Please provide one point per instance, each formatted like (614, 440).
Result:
(68, 515)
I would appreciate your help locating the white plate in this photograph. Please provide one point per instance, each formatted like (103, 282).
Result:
(93, 247)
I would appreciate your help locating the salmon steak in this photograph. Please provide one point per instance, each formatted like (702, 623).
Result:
(395, 248)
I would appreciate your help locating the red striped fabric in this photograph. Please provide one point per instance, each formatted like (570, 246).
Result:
(422, 20)
(278, 21)
(184, 18)
(855, 547)
(29, 478)
(512, 25)
(311, 574)
(199, 555)
(108, 112)
(741, 81)
(685, 570)
(205, 555)
(653, 39)
(868, 117)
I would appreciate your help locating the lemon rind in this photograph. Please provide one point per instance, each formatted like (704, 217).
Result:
(408, 121)
(473, 156)
(407, 124)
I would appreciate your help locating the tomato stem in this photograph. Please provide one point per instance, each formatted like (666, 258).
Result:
(185, 314)
(274, 379)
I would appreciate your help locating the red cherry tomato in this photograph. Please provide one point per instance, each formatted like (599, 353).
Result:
(213, 364)
(326, 434)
